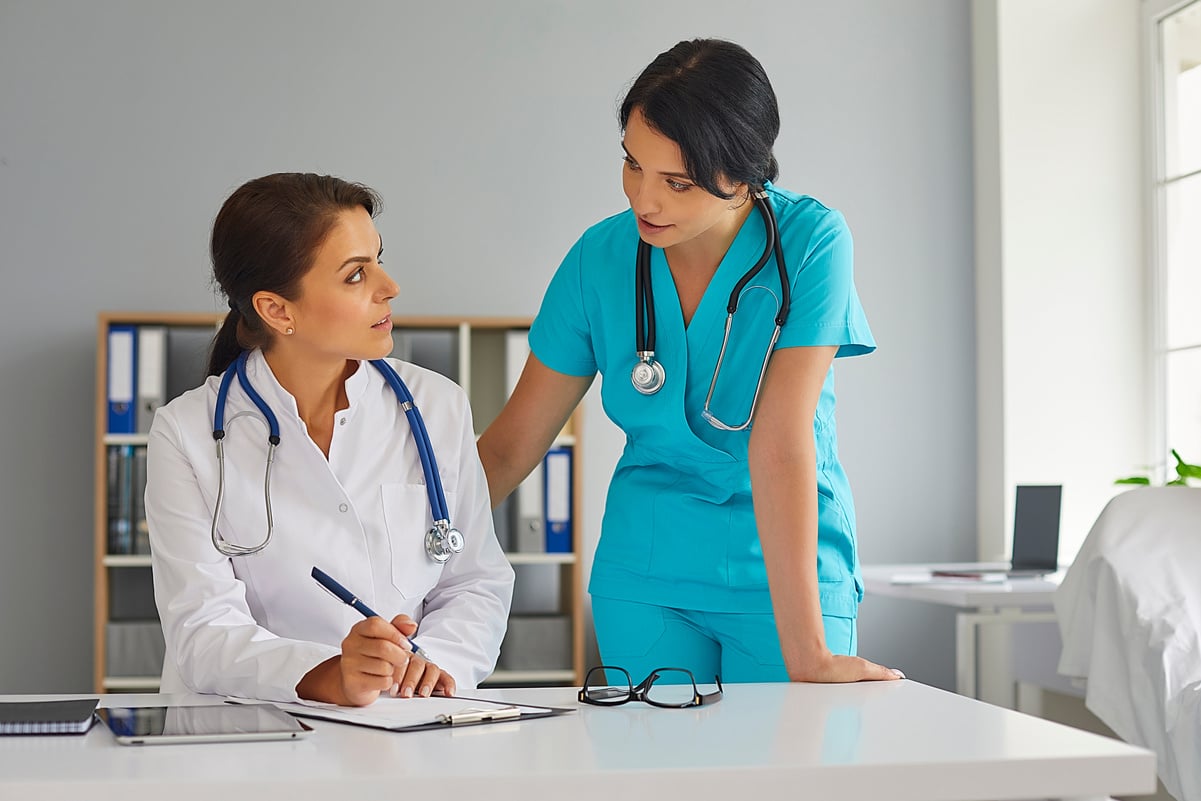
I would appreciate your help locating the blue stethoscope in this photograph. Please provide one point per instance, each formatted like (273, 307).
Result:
(441, 541)
(648, 375)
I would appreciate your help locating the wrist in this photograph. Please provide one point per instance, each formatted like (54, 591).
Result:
(805, 664)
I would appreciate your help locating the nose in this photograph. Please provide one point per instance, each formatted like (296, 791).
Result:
(644, 200)
(388, 288)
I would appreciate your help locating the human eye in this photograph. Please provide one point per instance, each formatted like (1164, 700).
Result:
(678, 186)
(631, 165)
(357, 276)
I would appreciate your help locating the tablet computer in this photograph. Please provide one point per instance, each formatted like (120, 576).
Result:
(219, 723)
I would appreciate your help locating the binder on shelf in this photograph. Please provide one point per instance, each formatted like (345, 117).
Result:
(120, 486)
(557, 492)
(434, 349)
(152, 374)
(502, 519)
(140, 530)
(122, 370)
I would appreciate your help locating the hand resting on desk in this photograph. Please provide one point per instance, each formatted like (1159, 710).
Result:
(837, 669)
(375, 658)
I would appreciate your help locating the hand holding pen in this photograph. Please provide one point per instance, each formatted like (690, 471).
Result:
(372, 661)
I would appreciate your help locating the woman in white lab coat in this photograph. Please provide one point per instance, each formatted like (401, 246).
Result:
(297, 256)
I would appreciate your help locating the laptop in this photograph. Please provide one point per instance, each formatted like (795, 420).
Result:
(1035, 535)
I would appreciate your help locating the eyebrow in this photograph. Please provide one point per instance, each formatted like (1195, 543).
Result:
(361, 259)
(683, 175)
(354, 260)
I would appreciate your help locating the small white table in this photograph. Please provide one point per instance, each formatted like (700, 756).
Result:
(980, 603)
(848, 742)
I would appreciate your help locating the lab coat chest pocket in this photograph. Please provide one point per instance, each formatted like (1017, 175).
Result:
(407, 517)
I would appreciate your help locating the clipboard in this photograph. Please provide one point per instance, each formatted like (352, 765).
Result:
(423, 714)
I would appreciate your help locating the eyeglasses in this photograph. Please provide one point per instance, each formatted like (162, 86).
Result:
(670, 688)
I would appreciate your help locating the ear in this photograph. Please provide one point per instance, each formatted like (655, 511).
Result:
(274, 310)
(741, 194)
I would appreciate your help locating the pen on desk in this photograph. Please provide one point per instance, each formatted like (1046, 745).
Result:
(350, 599)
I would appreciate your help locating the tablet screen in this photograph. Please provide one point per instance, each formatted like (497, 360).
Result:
(147, 725)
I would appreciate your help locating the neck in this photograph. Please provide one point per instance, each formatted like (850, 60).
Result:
(319, 387)
(704, 252)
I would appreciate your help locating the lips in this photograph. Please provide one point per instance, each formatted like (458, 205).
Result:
(650, 227)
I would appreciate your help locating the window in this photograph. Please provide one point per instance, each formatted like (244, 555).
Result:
(1176, 50)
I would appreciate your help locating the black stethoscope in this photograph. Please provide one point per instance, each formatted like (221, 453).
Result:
(441, 541)
(648, 375)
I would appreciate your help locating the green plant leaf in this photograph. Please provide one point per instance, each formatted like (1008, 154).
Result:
(1178, 482)
(1142, 480)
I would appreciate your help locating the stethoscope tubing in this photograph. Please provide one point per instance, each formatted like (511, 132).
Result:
(444, 534)
(644, 297)
(421, 437)
(649, 376)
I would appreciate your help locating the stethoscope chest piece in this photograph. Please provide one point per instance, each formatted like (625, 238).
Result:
(648, 374)
(442, 541)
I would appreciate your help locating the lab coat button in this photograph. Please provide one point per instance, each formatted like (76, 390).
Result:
(342, 507)
(342, 422)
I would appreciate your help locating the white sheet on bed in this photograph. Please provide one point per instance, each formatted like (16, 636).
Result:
(1129, 612)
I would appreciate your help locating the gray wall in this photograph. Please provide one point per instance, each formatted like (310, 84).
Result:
(489, 129)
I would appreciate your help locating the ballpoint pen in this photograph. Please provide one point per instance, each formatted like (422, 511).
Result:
(350, 599)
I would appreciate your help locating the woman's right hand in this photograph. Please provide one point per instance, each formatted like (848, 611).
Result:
(376, 658)
(838, 668)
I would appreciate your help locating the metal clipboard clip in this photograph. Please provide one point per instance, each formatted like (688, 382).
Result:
(468, 716)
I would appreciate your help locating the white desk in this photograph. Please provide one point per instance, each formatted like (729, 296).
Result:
(898, 740)
(1017, 600)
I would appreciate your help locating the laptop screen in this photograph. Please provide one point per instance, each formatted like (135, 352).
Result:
(1036, 527)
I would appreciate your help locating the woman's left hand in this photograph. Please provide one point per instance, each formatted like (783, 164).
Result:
(418, 676)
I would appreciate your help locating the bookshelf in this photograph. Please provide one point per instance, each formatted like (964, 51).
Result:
(545, 643)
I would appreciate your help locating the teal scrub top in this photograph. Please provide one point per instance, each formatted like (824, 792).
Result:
(679, 524)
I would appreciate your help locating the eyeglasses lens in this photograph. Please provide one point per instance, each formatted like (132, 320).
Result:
(611, 689)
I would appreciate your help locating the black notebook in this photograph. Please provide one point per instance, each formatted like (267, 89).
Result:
(47, 717)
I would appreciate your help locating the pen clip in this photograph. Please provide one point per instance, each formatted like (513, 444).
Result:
(468, 716)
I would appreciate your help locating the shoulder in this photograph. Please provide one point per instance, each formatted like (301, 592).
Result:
(616, 233)
(805, 216)
(184, 411)
(428, 386)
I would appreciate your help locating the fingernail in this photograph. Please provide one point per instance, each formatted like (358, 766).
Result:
(393, 690)
(426, 691)
(898, 673)
(407, 692)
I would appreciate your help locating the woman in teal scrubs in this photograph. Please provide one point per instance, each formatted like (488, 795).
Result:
(727, 552)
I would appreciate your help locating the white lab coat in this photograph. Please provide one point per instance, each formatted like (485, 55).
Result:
(253, 626)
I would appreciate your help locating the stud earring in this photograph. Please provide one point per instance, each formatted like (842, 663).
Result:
(290, 331)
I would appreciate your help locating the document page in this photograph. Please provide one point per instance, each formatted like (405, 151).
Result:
(403, 713)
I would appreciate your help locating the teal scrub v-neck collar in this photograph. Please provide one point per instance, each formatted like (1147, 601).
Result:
(743, 252)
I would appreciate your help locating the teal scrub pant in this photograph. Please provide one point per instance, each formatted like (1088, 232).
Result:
(738, 647)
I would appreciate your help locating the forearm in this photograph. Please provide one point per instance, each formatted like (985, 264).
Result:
(517, 440)
(507, 461)
(785, 498)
